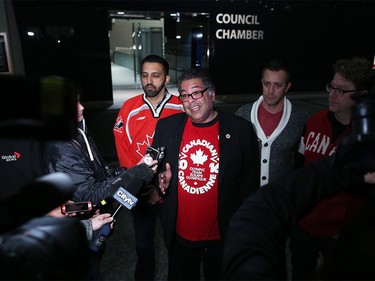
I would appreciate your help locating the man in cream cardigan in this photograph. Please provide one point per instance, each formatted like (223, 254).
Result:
(278, 123)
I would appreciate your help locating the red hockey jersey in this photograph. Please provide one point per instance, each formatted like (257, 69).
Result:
(135, 126)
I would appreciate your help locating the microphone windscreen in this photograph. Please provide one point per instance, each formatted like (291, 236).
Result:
(135, 185)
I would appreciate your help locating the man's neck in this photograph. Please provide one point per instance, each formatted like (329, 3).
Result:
(155, 101)
(343, 117)
(273, 109)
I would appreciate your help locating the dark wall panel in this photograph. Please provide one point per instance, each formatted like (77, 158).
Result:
(310, 35)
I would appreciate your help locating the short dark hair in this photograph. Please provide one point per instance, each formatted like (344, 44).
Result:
(358, 70)
(157, 59)
(198, 73)
(277, 65)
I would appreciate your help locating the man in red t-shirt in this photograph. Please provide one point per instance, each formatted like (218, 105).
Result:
(214, 161)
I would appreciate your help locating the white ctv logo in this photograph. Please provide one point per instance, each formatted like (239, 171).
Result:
(125, 198)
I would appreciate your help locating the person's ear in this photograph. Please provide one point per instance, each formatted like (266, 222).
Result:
(167, 79)
(288, 87)
(212, 94)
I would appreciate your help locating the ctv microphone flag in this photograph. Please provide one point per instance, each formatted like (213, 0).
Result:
(125, 198)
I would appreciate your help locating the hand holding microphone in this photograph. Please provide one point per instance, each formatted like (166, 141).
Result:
(128, 183)
(125, 199)
(100, 220)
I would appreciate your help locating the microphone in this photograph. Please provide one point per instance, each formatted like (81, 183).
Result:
(127, 200)
(35, 199)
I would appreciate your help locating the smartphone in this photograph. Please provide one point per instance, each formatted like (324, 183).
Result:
(76, 207)
(155, 154)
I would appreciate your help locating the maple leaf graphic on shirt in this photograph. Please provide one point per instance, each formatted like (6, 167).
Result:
(198, 157)
(142, 148)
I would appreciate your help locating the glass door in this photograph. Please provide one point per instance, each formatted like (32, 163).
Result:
(181, 38)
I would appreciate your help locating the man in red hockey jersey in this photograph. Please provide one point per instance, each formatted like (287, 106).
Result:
(134, 132)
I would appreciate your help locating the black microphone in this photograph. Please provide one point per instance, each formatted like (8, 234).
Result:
(35, 199)
(125, 199)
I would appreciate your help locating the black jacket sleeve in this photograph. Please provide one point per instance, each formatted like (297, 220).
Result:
(91, 185)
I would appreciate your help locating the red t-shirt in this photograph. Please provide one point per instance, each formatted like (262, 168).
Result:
(268, 121)
(198, 174)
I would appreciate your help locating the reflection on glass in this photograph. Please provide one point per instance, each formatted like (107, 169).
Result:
(182, 38)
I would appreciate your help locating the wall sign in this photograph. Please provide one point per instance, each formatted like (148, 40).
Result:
(242, 24)
(5, 63)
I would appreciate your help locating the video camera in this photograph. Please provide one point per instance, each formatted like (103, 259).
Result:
(357, 149)
(363, 118)
(41, 248)
(34, 246)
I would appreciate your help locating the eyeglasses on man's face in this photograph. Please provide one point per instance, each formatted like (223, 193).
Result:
(337, 91)
(195, 95)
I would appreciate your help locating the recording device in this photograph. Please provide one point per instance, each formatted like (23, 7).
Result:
(34, 246)
(124, 198)
(155, 154)
(102, 234)
(45, 248)
(356, 152)
(48, 191)
(363, 117)
(76, 207)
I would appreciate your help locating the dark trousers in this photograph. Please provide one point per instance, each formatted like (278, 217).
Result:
(305, 249)
(185, 262)
(144, 219)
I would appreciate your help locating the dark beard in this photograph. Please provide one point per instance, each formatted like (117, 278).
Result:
(154, 92)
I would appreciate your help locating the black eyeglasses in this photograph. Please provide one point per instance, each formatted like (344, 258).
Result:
(338, 91)
(195, 95)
